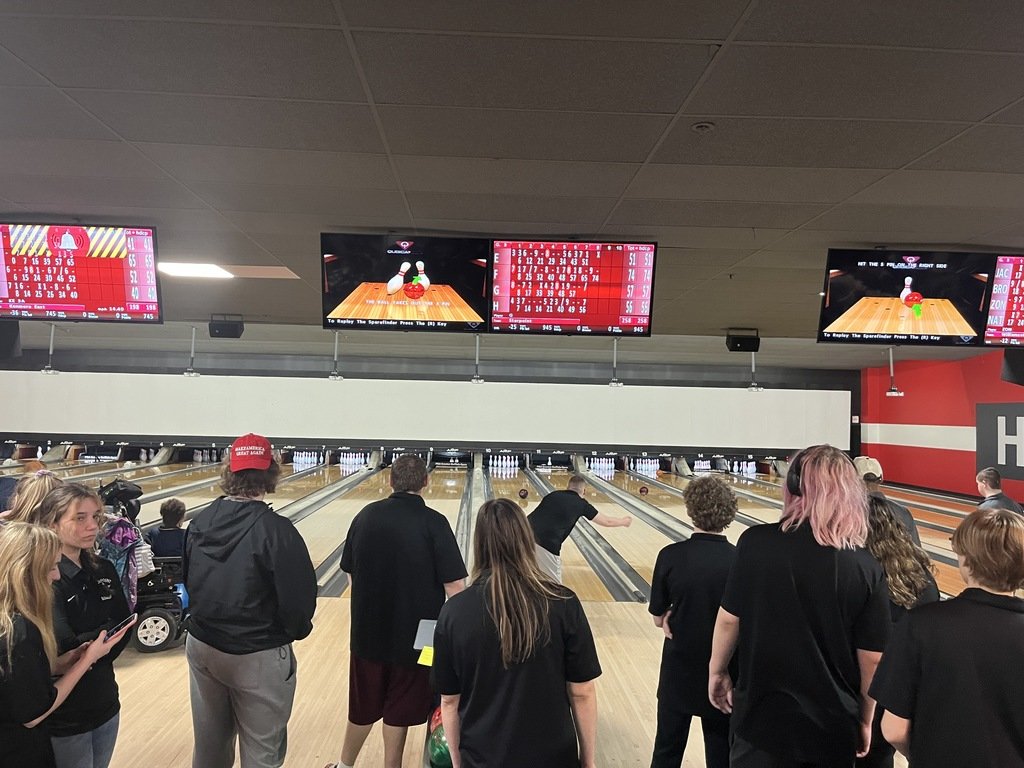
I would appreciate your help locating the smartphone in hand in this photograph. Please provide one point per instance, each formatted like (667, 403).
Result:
(114, 630)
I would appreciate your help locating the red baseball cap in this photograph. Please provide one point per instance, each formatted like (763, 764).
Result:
(251, 452)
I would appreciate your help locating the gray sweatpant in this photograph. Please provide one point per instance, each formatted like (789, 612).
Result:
(249, 696)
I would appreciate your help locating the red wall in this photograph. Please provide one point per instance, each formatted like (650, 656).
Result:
(937, 393)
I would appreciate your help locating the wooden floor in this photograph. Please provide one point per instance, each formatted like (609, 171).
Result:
(874, 314)
(370, 301)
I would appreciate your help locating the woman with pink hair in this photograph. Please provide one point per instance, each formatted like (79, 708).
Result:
(807, 611)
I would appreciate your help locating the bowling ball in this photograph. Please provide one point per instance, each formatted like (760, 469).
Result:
(913, 298)
(523, 493)
(435, 719)
(437, 749)
(413, 290)
(644, 490)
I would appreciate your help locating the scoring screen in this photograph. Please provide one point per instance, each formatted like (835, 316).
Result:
(1005, 323)
(565, 287)
(65, 272)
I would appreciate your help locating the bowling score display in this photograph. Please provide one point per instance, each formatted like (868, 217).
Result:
(388, 282)
(599, 289)
(906, 297)
(80, 273)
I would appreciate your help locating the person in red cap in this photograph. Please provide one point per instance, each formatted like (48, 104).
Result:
(252, 590)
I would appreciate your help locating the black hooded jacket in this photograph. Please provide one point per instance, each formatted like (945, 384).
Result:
(249, 577)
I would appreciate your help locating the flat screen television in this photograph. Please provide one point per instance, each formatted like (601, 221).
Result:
(1005, 322)
(930, 298)
(391, 282)
(81, 273)
(591, 288)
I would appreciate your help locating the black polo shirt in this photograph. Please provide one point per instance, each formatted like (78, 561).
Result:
(689, 578)
(26, 692)
(804, 610)
(1000, 501)
(400, 553)
(954, 670)
(518, 716)
(553, 519)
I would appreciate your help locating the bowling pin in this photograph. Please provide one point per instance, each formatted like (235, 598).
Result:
(907, 290)
(395, 283)
(424, 280)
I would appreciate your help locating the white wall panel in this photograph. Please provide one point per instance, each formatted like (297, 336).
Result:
(436, 411)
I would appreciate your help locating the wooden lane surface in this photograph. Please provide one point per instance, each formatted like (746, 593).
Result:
(883, 314)
(444, 492)
(159, 726)
(957, 509)
(136, 474)
(577, 574)
(638, 545)
(370, 301)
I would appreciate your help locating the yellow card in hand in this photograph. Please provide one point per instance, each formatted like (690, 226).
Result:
(426, 656)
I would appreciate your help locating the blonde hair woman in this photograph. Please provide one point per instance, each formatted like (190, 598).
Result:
(28, 648)
(28, 495)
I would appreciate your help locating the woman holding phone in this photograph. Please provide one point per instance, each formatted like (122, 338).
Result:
(28, 649)
(88, 601)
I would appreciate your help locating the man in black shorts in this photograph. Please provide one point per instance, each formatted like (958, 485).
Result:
(402, 560)
(554, 518)
(990, 485)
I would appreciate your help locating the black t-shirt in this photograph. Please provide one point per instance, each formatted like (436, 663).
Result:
(1000, 501)
(518, 716)
(954, 670)
(689, 578)
(553, 519)
(804, 610)
(167, 542)
(26, 692)
(400, 553)
(87, 602)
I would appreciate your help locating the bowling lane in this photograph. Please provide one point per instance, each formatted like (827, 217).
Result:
(577, 574)
(135, 474)
(326, 528)
(444, 492)
(638, 545)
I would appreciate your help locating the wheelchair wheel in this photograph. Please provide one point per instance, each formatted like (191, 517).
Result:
(156, 630)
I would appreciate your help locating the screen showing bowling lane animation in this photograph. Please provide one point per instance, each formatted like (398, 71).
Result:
(399, 283)
(596, 288)
(73, 272)
(906, 297)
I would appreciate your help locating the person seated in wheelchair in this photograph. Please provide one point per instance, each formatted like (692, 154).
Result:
(169, 539)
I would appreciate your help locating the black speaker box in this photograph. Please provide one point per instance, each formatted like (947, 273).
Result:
(1013, 366)
(743, 343)
(226, 329)
(10, 339)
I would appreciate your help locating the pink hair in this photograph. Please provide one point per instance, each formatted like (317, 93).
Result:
(833, 499)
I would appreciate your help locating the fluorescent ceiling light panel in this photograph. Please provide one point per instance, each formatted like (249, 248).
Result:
(178, 269)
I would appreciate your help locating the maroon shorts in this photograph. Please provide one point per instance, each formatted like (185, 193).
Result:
(400, 694)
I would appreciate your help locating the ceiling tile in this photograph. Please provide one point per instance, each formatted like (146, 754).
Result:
(953, 188)
(997, 148)
(65, 157)
(524, 208)
(713, 214)
(785, 259)
(940, 222)
(663, 19)
(490, 228)
(216, 120)
(45, 113)
(272, 166)
(292, 12)
(514, 134)
(703, 182)
(279, 301)
(697, 237)
(961, 24)
(1013, 115)
(801, 143)
(14, 72)
(187, 58)
(288, 199)
(517, 177)
(304, 226)
(868, 237)
(219, 247)
(539, 73)
(70, 192)
(858, 83)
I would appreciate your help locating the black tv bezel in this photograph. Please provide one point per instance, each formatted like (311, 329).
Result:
(114, 321)
(584, 334)
(413, 329)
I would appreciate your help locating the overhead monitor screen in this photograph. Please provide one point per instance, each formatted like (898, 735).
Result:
(1005, 322)
(70, 272)
(905, 297)
(390, 282)
(600, 289)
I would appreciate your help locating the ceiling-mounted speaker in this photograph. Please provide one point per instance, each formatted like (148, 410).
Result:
(10, 339)
(226, 327)
(742, 340)
(1013, 366)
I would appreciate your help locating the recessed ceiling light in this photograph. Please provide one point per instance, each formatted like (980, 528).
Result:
(178, 269)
